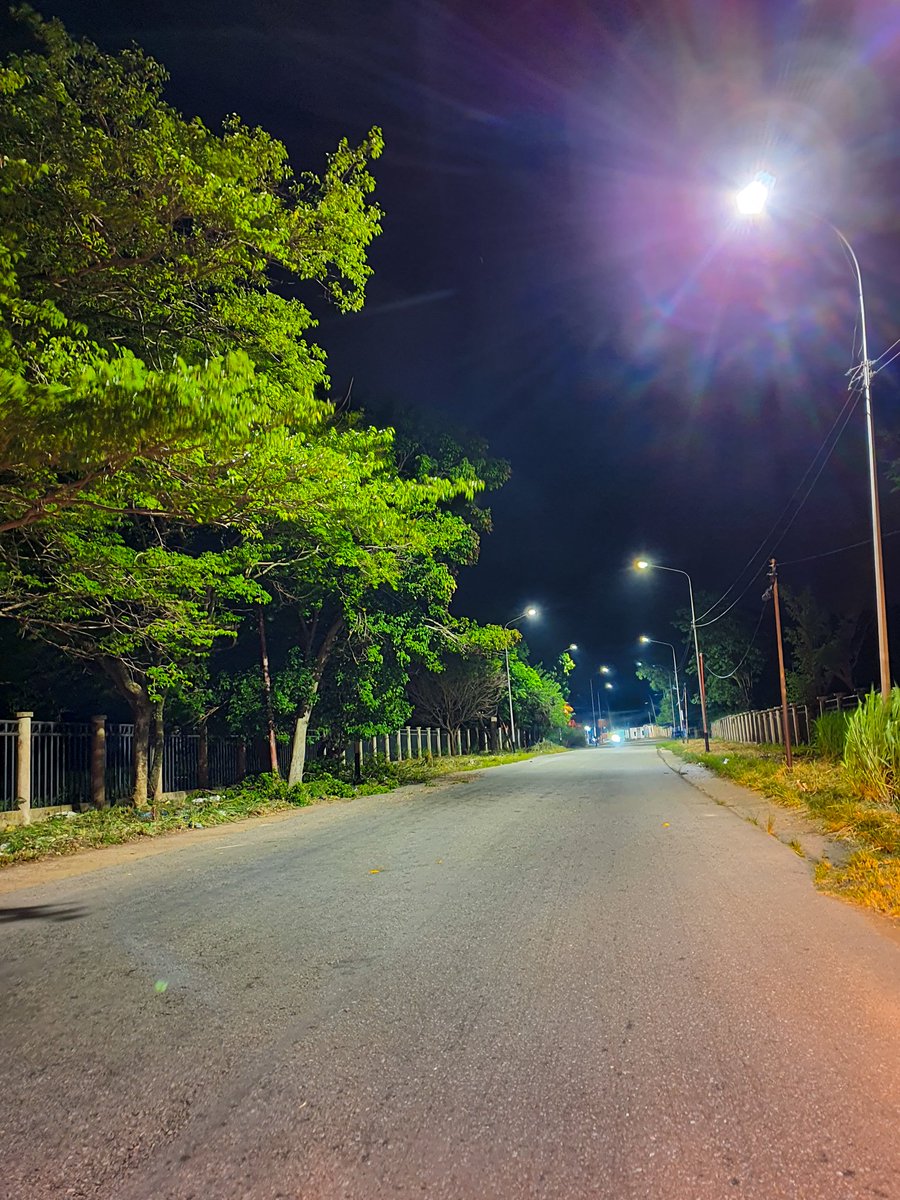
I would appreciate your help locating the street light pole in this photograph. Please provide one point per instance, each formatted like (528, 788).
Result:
(884, 658)
(643, 565)
(752, 201)
(655, 642)
(529, 612)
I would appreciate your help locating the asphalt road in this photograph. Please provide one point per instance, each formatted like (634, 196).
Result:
(570, 977)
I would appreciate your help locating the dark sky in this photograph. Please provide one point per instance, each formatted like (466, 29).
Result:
(560, 271)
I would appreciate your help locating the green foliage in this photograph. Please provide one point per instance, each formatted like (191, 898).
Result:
(728, 643)
(872, 749)
(168, 463)
(661, 682)
(830, 734)
(538, 701)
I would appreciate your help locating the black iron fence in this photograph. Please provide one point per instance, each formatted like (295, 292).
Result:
(45, 764)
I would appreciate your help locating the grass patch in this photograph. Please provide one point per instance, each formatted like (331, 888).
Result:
(867, 879)
(68, 833)
(824, 790)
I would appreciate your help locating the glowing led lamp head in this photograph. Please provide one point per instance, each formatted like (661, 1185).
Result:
(751, 200)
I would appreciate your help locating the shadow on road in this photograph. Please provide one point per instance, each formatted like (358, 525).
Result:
(43, 912)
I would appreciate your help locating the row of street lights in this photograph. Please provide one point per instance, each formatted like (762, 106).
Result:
(753, 201)
(643, 565)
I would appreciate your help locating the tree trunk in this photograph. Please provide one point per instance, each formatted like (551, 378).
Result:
(203, 754)
(298, 749)
(155, 780)
(267, 695)
(140, 759)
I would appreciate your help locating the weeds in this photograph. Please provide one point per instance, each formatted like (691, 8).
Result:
(872, 749)
(866, 879)
(830, 735)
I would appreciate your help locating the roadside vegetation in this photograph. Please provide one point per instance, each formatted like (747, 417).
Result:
(67, 833)
(848, 781)
(197, 527)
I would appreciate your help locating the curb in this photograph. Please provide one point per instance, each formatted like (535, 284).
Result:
(795, 830)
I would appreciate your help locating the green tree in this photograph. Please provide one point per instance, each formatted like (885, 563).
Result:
(138, 319)
(538, 701)
(661, 682)
(158, 397)
(731, 654)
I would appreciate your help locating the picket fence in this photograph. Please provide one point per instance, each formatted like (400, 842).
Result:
(56, 764)
(761, 725)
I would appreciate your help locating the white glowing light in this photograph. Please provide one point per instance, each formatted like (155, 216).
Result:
(752, 199)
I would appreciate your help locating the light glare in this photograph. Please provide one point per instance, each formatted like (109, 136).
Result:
(752, 199)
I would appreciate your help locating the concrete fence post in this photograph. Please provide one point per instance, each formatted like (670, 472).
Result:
(23, 766)
(98, 761)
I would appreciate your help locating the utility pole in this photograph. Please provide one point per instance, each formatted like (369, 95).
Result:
(593, 713)
(773, 592)
(702, 673)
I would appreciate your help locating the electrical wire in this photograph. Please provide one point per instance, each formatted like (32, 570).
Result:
(737, 600)
(874, 361)
(731, 674)
(840, 550)
(850, 401)
(874, 370)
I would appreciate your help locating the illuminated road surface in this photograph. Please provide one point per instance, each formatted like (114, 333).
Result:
(572, 977)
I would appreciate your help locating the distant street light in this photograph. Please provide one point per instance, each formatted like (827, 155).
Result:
(752, 201)
(649, 641)
(643, 565)
(531, 611)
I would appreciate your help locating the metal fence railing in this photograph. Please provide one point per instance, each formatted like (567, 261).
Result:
(61, 759)
(9, 741)
(60, 763)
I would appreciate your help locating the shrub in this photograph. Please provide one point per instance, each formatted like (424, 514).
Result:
(378, 770)
(872, 749)
(830, 734)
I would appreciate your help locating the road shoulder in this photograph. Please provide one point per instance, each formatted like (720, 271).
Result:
(794, 829)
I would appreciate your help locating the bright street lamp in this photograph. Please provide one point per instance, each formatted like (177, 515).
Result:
(530, 611)
(643, 565)
(751, 201)
(649, 641)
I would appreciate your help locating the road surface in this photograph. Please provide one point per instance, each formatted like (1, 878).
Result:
(569, 977)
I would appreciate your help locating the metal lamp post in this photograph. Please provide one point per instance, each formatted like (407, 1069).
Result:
(531, 611)
(649, 641)
(643, 565)
(752, 201)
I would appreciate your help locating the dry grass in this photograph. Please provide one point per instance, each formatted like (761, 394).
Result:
(870, 880)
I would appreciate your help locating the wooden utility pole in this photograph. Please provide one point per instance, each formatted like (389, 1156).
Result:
(773, 577)
(702, 674)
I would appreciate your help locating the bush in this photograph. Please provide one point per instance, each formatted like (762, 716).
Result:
(378, 770)
(872, 749)
(830, 734)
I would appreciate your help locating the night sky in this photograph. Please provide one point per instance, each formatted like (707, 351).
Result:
(561, 272)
